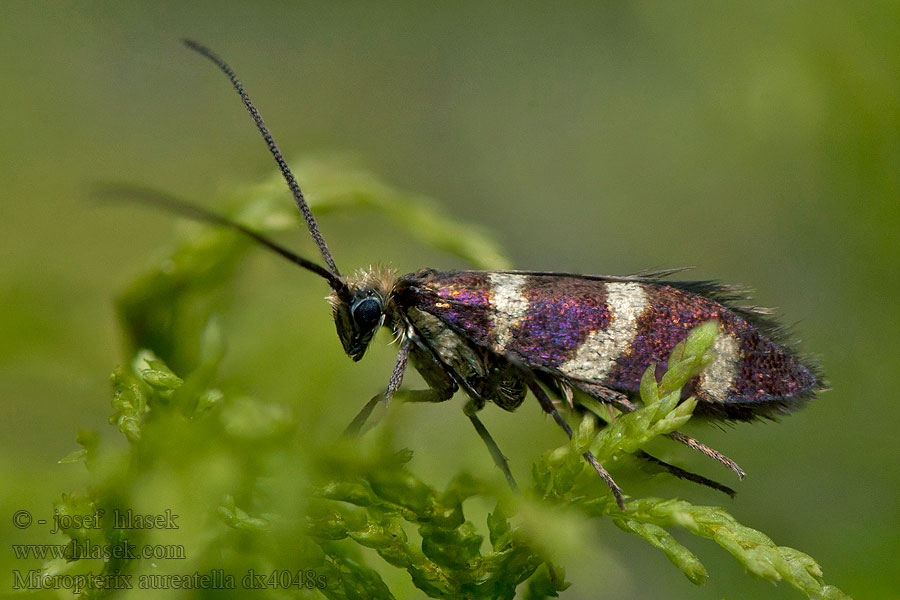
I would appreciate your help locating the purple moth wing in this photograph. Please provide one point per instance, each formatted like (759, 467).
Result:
(607, 331)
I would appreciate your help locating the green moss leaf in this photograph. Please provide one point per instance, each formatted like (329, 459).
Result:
(339, 185)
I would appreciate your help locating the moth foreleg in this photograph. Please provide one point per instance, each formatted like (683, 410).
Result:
(359, 421)
(362, 416)
(547, 404)
(443, 378)
(621, 401)
(394, 382)
(430, 395)
(399, 369)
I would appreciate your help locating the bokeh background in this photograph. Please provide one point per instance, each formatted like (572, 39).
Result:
(758, 142)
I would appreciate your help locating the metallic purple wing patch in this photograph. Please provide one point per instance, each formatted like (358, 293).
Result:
(608, 332)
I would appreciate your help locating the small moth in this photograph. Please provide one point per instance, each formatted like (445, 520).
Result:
(496, 335)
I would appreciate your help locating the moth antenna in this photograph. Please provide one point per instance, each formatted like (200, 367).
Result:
(198, 213)
(273, 148)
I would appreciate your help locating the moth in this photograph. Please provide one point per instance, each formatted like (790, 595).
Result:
(496, 335)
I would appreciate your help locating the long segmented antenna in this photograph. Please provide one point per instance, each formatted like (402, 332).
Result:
(273, 148)
(175, 205)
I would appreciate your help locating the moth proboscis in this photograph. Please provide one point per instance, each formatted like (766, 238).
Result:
(496, 335)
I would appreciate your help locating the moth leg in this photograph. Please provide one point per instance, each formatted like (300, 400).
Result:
(499, 458)
(399, 369)
(393, 385)
(443, 378)
(710, 452)
(431, 396)
(684, 474)
(547, 405)
(470, 409)
(356, 425)
(622, 402)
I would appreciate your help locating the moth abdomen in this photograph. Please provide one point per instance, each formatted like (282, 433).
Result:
(607, 331)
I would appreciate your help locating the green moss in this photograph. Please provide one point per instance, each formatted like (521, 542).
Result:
(262, 502)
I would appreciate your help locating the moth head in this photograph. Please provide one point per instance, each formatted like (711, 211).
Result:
(357, 319)
(360, 307)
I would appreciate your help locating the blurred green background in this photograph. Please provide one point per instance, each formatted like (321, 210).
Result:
(758, 142)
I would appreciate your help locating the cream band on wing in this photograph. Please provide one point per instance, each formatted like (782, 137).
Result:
(597, 355)
(717, 377)
(508, 307)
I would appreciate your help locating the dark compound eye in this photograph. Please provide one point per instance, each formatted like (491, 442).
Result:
(367, 312)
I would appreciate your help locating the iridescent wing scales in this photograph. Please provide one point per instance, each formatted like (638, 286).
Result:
(607, 331)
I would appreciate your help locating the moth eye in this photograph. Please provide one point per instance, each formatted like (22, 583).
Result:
(367, 312)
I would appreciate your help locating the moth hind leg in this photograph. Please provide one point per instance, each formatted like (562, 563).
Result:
(714, 454)
(621, 401)
(547, 404)
(685, 474)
